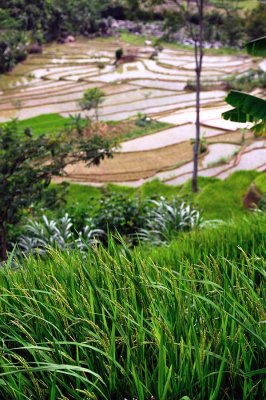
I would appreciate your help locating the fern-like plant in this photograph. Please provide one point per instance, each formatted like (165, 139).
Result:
(165, 219)
(40, 236)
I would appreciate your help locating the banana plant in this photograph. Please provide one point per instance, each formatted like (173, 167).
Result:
(248, 108)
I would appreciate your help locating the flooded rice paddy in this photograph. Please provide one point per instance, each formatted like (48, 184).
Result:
(54, 82)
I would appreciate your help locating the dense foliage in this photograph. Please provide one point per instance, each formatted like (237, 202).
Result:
(41, 237)
(25, 23)
(28, 163)
(187, 320)
(152, 221)
(248, 81)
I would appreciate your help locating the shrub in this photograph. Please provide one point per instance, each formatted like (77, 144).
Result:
(166, 218)
(119, 54)
(38, 237)
(12, 49)
(142, 120)
(202, 144)
(118, 212)
(248, 81)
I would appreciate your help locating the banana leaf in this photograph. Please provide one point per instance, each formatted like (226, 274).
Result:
(247, 104)
(236, 115)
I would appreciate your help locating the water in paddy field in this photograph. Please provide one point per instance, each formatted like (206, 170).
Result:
(54, 82)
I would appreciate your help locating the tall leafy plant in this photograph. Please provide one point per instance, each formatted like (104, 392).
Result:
(248, 108)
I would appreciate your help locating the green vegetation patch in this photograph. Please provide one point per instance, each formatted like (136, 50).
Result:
(157, 188)
(149, 128)
(224, 199)
(135, 40)
(119, 189)
(43, 124)
(198, 246)
(82, 194)
(217, 199)
(202, 183)
(260, 182)
(120, 323)
(123, 130)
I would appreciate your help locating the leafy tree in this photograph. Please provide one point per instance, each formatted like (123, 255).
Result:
(12, 49)
(92, 98)
(27, 165)
(45, 20)
(29, 14)
(248, 108)
(173, 21)
(255, 22)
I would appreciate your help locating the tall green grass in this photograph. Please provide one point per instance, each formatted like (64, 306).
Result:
(187, 320)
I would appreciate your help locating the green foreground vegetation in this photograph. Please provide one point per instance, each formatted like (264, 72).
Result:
(186, 321)
(123, 293)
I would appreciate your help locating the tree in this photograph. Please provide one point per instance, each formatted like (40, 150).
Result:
(12, 49)
(255, 22)
(192, 13)
(91, 99)
(248, 108)
(192, 17)
(27, 165)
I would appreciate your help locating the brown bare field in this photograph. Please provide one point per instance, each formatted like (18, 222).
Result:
(144, 164)
(129, 166)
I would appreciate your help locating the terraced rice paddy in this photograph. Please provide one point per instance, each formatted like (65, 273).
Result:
(54, 81)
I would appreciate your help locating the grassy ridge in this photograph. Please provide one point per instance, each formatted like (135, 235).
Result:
(119, 324)
(225, 198)
(55, 123)
(216, 198)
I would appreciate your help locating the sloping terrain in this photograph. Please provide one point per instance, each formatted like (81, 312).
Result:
(54, 81)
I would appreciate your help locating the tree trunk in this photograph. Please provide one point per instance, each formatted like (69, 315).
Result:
(198, 48)
(3, 242)
(197, 138)
(97, 114)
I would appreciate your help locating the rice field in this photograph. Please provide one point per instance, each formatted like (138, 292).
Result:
(53, 82)
(180, 322)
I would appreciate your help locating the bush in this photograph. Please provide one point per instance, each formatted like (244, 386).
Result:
(255, 22)
(142, 120)
(119, 213)
(39, 237)
(12, 49)
(119, 54)
(248, 81)
(165, 219)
